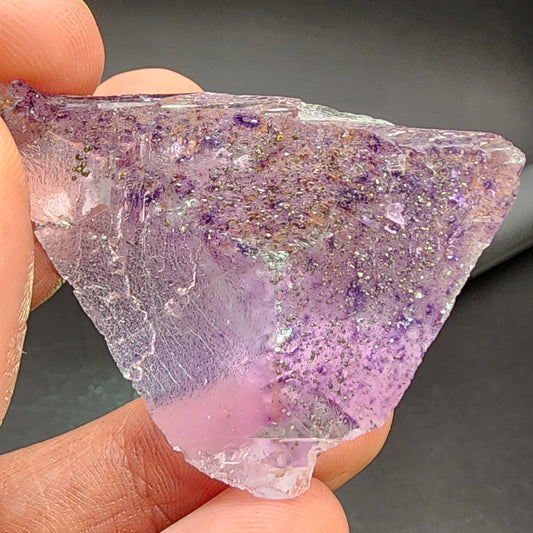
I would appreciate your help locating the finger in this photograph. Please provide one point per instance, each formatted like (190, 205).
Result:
(46, 278)
(147, 81)
(340, 464)
(236, 511)
(116, 473)
(110, 470)
(16, 261)
(54, 45)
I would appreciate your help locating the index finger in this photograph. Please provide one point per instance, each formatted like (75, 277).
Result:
(54, 45)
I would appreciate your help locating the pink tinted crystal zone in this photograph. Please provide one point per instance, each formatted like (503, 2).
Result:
(268, 274)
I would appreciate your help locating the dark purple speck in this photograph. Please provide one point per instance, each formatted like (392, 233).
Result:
(246, 121)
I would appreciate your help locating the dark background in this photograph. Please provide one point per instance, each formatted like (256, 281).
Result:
(460, 454)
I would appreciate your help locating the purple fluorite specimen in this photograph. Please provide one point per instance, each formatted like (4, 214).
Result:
(267, 273)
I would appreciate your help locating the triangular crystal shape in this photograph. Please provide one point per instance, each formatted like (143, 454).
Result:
(267, 273)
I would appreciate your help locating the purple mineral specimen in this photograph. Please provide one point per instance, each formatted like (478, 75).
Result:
(267, 273)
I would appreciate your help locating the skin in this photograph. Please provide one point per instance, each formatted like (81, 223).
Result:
(116, 473)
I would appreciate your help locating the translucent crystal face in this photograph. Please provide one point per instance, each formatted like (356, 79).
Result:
(267, 273)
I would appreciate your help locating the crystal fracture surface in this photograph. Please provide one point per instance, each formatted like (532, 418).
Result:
(267, 273)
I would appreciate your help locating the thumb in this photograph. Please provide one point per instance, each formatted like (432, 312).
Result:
(236, 511)
(16, 264)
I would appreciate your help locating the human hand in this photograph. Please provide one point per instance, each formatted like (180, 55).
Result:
(117, 473)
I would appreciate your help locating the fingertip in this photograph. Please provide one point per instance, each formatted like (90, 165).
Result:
(236, 511)
(16, 262)
(338, 465)
(54, 45)
(47, 280)
(147, 81)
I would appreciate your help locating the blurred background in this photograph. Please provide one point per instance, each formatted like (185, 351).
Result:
(459, 457)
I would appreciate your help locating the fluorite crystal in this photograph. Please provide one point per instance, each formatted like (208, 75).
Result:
(267, 273)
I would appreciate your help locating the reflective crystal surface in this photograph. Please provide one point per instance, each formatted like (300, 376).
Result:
(267, 273)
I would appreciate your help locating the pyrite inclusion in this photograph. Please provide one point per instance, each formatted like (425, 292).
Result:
(267, 273)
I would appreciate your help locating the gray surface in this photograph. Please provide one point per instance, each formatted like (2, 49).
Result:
(459, 456)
